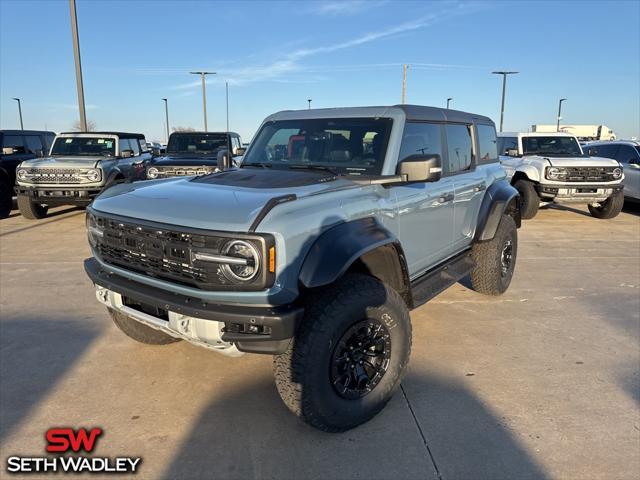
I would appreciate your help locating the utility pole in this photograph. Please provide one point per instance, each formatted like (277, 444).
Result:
(559, 113)
(204, 94)
(226, 86)
(309, 100)
(166, 115)
(20, 113)
(448, 101)
(404, 83)
(76, 56)
(504, 88)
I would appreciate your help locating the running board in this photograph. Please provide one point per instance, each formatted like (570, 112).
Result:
(432, 283)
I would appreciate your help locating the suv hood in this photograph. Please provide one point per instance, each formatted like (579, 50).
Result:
(573, 161)
(226, 201)
(63, 162)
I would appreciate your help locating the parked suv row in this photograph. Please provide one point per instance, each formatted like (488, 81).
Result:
(628, 154)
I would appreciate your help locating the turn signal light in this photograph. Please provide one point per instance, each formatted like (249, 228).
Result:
(272, 259)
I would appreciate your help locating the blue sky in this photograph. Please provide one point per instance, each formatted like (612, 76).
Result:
(275, 55)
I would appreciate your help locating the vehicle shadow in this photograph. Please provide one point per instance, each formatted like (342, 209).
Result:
(248, 433)
(565, 208)
(51, 218)
(34, 355)
(631, 207)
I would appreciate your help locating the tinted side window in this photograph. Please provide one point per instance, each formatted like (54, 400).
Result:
(34, 144)
(626, 153)
(487, 145)
(507, 143)
(14, 141)
(607, 151)
(124, 145)
(459, 147)
(134, 146)
(421, 139)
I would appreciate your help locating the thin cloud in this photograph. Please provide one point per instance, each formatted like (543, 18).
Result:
(345, 7)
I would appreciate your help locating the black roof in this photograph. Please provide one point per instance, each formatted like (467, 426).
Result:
(117, 134)
(26, 132)
(419, 112)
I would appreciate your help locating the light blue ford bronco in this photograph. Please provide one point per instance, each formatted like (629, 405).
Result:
(337, 223)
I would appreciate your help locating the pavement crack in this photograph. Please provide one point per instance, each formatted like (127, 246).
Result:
(424, 439)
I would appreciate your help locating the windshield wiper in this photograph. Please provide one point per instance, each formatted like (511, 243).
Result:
(315, 167)
(257, 164)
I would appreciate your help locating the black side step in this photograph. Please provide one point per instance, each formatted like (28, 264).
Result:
(432, 283)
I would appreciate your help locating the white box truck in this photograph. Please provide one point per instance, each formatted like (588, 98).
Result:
(585, 133)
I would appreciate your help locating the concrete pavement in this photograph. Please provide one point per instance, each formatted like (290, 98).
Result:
(543, 382)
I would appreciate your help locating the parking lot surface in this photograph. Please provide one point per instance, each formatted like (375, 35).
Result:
(542, 382)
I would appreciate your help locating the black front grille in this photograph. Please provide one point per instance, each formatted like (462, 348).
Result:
(589, 174)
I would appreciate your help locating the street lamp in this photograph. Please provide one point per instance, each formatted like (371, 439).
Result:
(76, 56)
(309, 100)
(448, 101)
(166, 114)
(204, 94)
(504, 88)
(404, 83)
(559, 113)
(19, 113)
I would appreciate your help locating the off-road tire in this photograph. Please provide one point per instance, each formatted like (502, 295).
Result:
(610, 208)
(529, 199)
(302, 373)
(31, 210)
(488, 276)
(6, 198)
(140, 332)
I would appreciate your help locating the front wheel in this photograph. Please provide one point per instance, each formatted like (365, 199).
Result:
(496, 259)
(31, 210)
(348, 356)
(610, 208)
(529, 199)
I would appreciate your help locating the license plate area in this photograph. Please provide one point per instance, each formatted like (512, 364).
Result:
(156, 312)
(587, 190)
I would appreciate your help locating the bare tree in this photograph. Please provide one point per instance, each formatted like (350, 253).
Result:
(184, 129)
(91, 126)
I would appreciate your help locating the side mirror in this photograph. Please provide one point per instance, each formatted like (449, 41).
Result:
(512, 152)
(224, 161)
(421, 168)
(126, 153)
(239, 151)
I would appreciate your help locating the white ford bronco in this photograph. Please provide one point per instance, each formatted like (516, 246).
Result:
(551, 167)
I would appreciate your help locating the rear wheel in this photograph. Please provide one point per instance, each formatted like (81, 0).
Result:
(31, 210)
(610, 208)
(6, 198)
(529, 199)
(496, 259)
(140, 332)
(348, 356)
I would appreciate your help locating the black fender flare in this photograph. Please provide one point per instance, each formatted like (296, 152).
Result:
(335, 250)
(501, 197)
(111, 179)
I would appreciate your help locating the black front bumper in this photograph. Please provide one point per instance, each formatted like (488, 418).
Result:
(70, 195)
(280, 320)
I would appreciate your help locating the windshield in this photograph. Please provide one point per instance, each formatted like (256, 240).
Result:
(551, 146)
(197, 143)
(347, 146)
(84, 146)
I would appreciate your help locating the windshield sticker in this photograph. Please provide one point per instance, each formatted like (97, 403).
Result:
(68, 140)
(101, 140)
(109, 143)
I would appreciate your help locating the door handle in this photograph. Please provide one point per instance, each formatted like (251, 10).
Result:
(447, 197)
(480, 188)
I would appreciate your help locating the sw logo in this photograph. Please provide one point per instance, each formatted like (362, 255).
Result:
(61, 440)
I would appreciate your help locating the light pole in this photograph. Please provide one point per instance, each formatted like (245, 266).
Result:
(448, 102)
(226, 86)
(19, 113)
(559, 113)
(204, 94)
(404, 83)
(76, 56)
(504, 88)
(309, 100)
(166, 115)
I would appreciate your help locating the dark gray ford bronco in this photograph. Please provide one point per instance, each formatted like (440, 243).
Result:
(337, 223)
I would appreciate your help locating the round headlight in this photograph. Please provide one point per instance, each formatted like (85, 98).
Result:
(616, 173)
(22, 174)
(152, 172)
(243, 250)
(554, 173)
(93, 175)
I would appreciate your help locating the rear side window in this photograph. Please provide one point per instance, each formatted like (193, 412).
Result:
(14, 141)
(487, 145)
(459, 148)
(421, 139)
(34, 144)
(607, 151)
(626, 153)
(124, 145)
(507, 143)
(134, 146)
